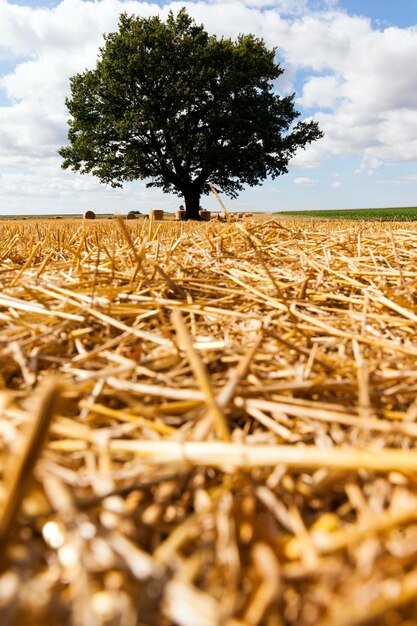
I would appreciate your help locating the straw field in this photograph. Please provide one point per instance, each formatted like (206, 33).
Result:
(208, 424)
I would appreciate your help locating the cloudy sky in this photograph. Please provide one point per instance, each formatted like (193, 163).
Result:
(351, 63)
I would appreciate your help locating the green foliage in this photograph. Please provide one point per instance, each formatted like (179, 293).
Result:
(393, 214)
(170, 103)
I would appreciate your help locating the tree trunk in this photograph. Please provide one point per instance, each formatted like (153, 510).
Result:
(192, 203)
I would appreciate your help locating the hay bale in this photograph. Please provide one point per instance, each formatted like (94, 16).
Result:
(180, 215)
(89, 215)
(205, 215)
(131, 216)
(157, 214)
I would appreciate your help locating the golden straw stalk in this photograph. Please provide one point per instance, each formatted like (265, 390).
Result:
(21, 468)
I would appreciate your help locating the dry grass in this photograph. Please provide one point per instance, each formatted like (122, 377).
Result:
(208, 424)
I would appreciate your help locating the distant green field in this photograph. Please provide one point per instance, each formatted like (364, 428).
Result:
(392, 214)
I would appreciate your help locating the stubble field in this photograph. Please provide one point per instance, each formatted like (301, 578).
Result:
(208, 424)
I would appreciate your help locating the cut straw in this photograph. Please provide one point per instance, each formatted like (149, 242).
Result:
(20, 471)
(218, 454)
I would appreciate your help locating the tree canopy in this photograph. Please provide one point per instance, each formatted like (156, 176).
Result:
(180, 108)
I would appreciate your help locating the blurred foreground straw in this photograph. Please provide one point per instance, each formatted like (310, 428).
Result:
(219, 454)
(20, 471)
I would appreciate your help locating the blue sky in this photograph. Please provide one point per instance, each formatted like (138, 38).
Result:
(350, 63)
(384, 13)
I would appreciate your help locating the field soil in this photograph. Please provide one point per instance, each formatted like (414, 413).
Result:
(208, 424)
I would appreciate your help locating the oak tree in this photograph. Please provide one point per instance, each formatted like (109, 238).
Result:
(169, 103)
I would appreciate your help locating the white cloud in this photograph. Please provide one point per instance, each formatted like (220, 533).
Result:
(323, 41)
(322, 91)
(304, 180)
(410, 177)
(336, 184)
(36, 185)
(372, 93)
